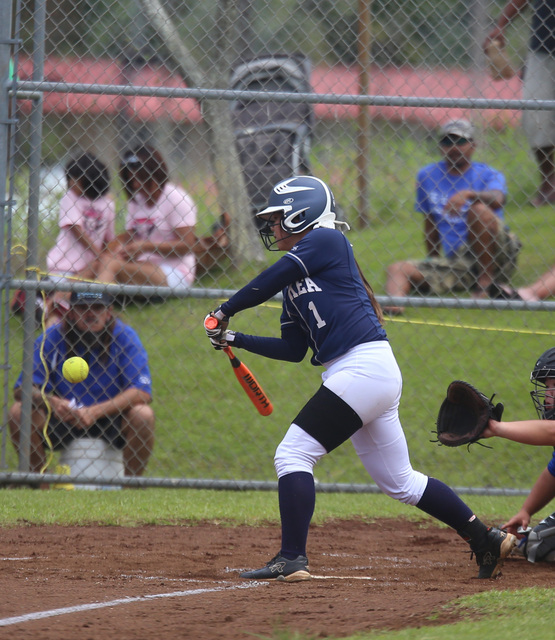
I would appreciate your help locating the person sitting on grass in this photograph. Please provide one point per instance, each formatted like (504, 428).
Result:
(462, 203)
(159, 246)
(86, 223)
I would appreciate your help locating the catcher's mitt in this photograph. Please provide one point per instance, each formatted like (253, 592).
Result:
(464, 414)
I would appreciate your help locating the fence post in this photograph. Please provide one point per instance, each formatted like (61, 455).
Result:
(32, 237)
(5, 57)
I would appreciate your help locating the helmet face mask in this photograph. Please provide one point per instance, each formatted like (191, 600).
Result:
(543, 371)
(304, 202)
(267, 230)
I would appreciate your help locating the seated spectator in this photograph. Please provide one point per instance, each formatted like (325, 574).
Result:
(86, 221)
(542, 288)
(159, 246)
(111, 403)
(462, 202)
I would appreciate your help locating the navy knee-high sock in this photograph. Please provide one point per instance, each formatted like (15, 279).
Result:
(297, 498)
(441, 502)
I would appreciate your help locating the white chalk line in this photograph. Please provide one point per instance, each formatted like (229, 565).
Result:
(39, 615)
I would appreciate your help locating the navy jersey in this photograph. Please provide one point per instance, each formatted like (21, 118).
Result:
(325, 304)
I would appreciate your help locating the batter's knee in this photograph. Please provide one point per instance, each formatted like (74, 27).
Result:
(410, 491)
(298, 451)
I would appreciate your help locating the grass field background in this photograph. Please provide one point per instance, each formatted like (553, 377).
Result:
(207, 429)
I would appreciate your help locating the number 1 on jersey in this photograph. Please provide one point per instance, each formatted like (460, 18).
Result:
(319, 322)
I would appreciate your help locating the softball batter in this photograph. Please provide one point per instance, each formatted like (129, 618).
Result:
(329, 307)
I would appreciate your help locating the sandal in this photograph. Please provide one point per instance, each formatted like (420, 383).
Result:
(502, 292)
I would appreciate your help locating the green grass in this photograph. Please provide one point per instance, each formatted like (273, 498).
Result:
(20, 507)
(496, 615)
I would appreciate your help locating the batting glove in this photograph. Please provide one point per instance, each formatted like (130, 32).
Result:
(227, 338)
(223, 322)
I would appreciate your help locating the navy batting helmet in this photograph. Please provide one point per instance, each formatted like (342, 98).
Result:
(542, 371)
(304, 202)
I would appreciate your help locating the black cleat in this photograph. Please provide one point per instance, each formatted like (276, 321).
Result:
(489, 558)
(282, 569)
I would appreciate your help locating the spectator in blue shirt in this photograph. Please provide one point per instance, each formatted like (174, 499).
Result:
(113, 402)
(468, 244)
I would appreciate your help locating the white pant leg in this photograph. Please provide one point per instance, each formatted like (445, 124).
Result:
(298, 451)
(368, 380)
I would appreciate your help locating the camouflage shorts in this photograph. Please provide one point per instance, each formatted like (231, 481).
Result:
(460, 273)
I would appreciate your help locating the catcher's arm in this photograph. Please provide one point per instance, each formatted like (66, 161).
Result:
(535, 432)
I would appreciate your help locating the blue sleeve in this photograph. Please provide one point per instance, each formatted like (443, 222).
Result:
(133, 360)
(291, 347)
(494, 180)
(265, 286)
(551, 464)
(46, 349)
(421, 204)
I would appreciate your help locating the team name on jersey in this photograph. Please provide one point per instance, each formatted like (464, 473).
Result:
(306, 285)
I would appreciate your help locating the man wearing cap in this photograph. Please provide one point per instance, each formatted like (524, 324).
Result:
(113, 402)
(468, 245)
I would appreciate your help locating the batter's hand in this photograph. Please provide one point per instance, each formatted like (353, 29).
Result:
(495, 34)
(226, 338)
(223, 322)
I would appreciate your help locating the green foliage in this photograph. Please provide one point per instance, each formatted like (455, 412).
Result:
(410, 32)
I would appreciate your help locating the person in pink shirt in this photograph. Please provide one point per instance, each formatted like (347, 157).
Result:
(86, 219)
(87, 225)
(158, 245)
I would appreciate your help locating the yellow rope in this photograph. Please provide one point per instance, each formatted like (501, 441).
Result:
(44, 397)
(448, 325)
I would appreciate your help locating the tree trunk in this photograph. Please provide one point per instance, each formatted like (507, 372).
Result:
(232, 192)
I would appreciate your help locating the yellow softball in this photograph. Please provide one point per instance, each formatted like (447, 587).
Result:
(75, 369)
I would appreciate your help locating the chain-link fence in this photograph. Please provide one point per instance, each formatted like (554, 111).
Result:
(137, 141)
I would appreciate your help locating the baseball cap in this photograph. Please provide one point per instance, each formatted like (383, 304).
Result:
(462, 128)
(90, 298)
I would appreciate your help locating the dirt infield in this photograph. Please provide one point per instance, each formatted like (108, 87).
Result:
(173, 582)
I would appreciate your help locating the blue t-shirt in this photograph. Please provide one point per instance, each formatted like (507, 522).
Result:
(325, 304)
(434, 186)
(127, 367)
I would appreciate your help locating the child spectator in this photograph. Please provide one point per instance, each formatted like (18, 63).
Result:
(87, 225)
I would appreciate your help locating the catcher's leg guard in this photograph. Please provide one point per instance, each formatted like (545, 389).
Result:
(540, 545)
